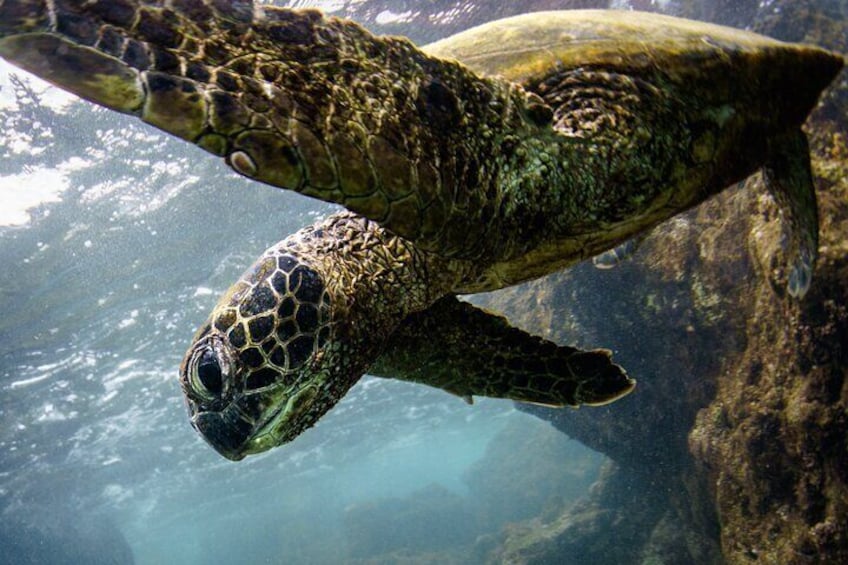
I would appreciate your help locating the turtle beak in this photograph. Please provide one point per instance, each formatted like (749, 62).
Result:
(226, 431)
(237, 429)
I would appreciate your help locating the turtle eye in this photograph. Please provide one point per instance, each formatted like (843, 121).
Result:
(209, 375)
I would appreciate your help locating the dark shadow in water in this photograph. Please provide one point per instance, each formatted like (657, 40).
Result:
(59, 536)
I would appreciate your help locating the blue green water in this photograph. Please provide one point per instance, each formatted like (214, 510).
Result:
(101, 289)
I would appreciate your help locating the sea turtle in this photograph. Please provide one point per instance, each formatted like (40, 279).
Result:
(492, 157)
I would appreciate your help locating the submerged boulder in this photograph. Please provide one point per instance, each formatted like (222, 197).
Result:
(528, 469)
(58, 536)
(431, 519)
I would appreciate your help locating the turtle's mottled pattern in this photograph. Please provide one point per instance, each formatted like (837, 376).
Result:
(297, 100)
(495, 156)
(304, 322)
(467, 351)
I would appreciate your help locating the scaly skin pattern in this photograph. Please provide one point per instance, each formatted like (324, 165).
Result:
(297, 100)
(469, 352)
(300, 327)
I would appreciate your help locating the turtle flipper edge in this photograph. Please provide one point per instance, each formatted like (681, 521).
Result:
(789, 179)
(470, 352)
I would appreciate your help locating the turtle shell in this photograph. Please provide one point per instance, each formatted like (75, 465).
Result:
(716, 62)
(529, 45)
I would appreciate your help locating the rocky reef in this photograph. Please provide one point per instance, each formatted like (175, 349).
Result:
(733, 447)
(42, 535)
(529, 470)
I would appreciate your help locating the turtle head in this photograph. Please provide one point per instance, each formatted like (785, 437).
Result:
(257, 373)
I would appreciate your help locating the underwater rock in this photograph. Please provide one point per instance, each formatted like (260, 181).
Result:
(741, 407)
(53, 536)
(773, 441)
(528, 469)
(519, 476)
(736, 13)
(428, 520)
(619, 502)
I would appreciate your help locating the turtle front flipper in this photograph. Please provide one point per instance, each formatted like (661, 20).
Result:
(789, 179)
(299, 101)
(469, 352)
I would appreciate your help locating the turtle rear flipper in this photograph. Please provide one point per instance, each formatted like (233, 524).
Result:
(469, 352)
(789, 179)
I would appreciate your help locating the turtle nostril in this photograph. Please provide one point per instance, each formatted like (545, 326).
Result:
(209, 373)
